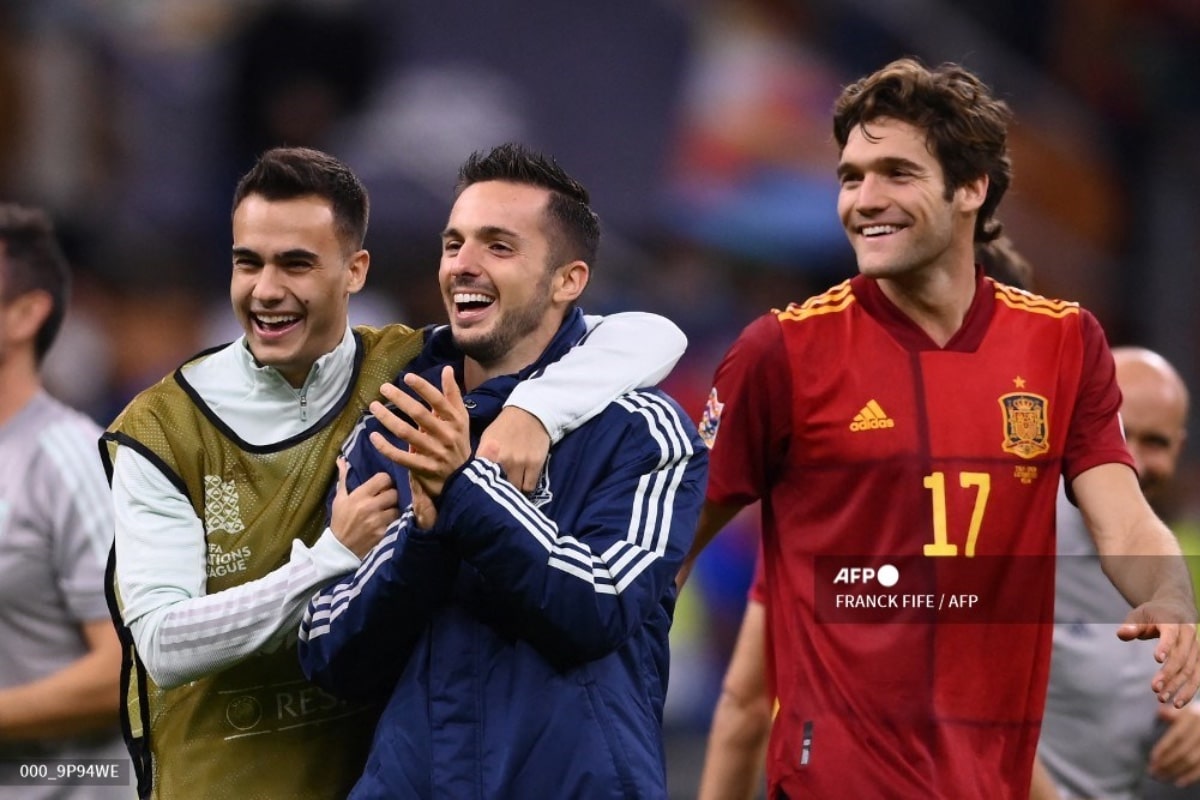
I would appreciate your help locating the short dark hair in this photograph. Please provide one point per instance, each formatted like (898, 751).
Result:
(33, 261)
(285, 173)
(966, 128)
(578, 227)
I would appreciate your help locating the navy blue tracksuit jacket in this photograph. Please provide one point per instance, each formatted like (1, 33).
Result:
(523, 641)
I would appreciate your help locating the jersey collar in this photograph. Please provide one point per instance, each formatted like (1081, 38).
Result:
(909, 335)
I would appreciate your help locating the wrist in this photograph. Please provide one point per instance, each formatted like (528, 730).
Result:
(532, 420)
(424, 519)
(444, 489)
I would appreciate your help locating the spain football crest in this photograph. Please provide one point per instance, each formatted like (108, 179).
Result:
(711, 419)
(1026, 427)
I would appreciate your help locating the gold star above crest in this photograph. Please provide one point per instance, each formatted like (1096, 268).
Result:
(1019, 382)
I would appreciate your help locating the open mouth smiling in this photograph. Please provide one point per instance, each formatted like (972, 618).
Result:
(275, 323)
(472, 303)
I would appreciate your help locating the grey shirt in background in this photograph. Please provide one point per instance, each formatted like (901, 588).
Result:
(55, 531)
(1101, 717)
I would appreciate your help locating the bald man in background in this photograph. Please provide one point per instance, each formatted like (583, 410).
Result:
(1102, 737)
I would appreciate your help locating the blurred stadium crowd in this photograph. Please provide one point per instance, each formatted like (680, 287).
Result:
(701, 127)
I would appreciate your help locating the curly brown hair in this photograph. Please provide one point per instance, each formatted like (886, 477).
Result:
(966, 128)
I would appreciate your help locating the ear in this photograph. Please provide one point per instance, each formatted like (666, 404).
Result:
(570, 280)
(360, 264)
(973, 193)
(24, 315)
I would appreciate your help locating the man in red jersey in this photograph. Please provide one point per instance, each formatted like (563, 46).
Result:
(906, 432)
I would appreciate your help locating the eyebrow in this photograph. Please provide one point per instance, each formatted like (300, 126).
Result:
(285, 255)
(885, 164)
(487, 231)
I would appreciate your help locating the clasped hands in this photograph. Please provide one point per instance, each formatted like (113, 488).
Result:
(439, 440)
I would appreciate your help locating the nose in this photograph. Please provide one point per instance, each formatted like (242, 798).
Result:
(465, 260)
(269, 285)
(870, 194)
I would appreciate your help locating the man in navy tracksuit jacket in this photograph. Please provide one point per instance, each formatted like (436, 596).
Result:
(521, 640)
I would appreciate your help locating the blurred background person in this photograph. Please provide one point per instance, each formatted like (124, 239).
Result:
(60, 662)
(1101, 735)
(741, 726)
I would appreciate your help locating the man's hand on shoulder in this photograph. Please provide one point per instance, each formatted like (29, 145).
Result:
(519, 443)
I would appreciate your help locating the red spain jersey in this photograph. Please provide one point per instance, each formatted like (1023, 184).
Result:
(908, 495)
